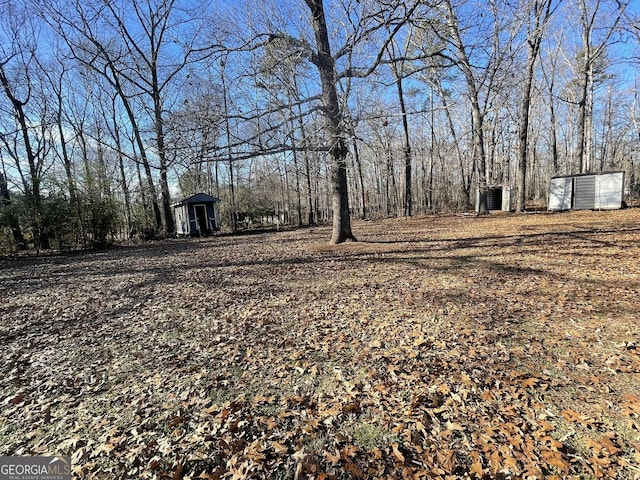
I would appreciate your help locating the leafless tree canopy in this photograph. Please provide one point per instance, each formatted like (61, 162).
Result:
(303, 112)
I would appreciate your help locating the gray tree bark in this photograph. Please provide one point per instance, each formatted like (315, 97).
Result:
(338, 150)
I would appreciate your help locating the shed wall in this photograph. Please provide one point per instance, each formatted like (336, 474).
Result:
(182, 220)
(506, 198)
(584, 192)
(560, 193)
(609, 191)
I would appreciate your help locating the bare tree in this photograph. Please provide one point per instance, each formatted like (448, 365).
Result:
(146, 29)
(481, 47)
(595, 41)
(5, 208)
(143, 48)
(389, 18)
(549, 76)
(397, 66)
(26, 106)
(461, 58)
(539, 12)
(82, 34)
(338, 150)
(227, 131)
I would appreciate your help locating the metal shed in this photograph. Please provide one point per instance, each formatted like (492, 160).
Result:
(499, 197)
(197, 215)
(587, 191)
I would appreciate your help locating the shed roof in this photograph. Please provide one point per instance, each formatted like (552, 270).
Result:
(588, 174)
(197, 198)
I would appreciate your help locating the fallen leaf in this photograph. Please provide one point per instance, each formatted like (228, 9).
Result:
(396, 453)
(333, 459)
(299, 455)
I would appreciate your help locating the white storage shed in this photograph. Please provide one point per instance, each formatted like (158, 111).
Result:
(588, 191)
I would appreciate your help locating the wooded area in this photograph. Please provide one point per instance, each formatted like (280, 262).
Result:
(435, 347)
(302, 112)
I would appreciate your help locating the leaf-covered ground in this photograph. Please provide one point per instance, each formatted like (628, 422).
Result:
(435, 347)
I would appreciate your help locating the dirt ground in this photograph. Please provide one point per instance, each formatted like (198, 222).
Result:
(504, 346)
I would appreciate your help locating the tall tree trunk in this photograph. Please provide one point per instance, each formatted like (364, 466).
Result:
(33, 193)
(233, 214)
(286, 196)
(432, 152)
(123, 177)
(115, 80)
(554, 135)
(542, 11)
(408, 194)
(479, 155)
(582, 125)
(298, 193)
(363, 194)
(162, 153)
(430, 182)
(66, 160)
(591, 54)
(297, 167)
(74, 203)
(307, 165)
(387, 179)
(338, 150)
(150, 187)
(143, 195)
(14, 225)
(465, 176)
(477, 116)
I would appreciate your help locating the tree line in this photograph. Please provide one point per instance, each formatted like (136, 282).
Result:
(302, 112)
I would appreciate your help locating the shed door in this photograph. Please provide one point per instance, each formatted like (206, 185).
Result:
(506, 198)
(494, 198)
(560, 193)
(181, 225)
(584, 192)
(201, 216)
(609, 190)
